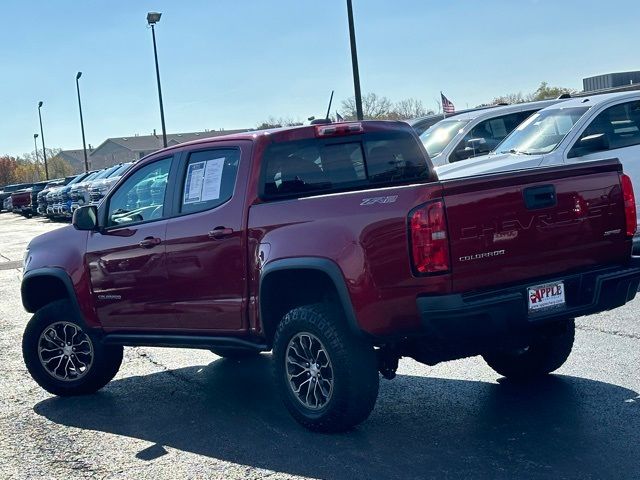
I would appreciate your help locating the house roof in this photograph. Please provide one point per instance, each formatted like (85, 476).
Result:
(144, 143)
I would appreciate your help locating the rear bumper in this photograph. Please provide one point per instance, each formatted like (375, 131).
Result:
(499, 314)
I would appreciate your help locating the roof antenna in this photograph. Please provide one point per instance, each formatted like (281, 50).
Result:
(326, 119)
(329, 108)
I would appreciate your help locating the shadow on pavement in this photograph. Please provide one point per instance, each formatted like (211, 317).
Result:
(559, 427)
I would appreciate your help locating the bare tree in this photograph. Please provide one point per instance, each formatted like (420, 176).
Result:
(273, 122)
(374, 107)
(409, 108)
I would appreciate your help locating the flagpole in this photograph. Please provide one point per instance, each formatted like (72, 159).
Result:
(444, 114)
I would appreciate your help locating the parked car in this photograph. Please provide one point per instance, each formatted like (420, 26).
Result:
(61, 199)
(42, 195)
(477, 132)
(7, 190)
(7, 204)
(336, 247)
(32, 208)
(79, 193)
(99, 188)
(579, 130)
(21, 200)
(421, 124)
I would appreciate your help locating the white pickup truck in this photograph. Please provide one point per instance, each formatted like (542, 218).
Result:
(577, 130)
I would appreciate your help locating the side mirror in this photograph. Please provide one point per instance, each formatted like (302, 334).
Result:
(589, 144)
(86, 218)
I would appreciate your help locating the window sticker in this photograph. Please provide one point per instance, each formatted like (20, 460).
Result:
(203, 181)
(212, 179)
(193, 185)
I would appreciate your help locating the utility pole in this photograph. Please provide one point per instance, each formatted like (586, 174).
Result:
(152, 19)
(354, 62)
(44, 149)
(84, 144)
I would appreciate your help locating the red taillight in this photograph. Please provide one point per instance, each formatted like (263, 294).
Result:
(429, 242)
(338, 129)
(629, 205)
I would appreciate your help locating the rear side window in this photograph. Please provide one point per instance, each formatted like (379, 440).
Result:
(316, 166)
(616, 127)
(209, 179)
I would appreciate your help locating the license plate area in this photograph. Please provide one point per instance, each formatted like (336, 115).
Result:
(546, 297)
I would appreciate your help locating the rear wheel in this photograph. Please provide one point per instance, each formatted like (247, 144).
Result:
(63, 357)
(326, 375)
(543, 355)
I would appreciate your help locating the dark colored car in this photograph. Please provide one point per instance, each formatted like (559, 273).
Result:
(337, 247)
(61, 196)
(421, 124)
(41, 198)
(7, 190)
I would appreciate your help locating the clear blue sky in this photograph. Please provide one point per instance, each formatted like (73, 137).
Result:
(232, 63)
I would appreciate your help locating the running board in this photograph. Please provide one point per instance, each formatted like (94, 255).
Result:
(179, 341)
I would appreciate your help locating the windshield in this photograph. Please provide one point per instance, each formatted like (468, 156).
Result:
(542, 131)
(106, 172)
(120, 171)
(437, 137)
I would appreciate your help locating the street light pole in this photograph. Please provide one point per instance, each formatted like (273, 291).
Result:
(84, 144)
(35, 144)
(44, 150)
(152, 19)
(354, 62)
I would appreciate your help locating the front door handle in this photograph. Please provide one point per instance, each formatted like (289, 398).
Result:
(220, 232)
(150, 242)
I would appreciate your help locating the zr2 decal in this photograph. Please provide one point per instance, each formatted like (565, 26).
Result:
(382, 200)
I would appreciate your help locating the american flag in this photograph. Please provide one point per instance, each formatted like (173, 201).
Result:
(339, 117)
(447, 106)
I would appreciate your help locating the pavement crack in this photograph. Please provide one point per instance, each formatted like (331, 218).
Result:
(617, 333)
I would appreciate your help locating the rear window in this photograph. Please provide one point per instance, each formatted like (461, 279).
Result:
(318, 166)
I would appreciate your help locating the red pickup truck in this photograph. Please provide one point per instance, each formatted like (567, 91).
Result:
(336, 247)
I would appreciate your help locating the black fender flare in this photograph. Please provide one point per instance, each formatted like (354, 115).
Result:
(51, 272)
(324, 265)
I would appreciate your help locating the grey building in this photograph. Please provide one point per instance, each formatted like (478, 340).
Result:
(126, 149)
(610, 80)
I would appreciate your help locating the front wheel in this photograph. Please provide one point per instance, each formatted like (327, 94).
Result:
(327, 376)
(63, 357)
(544, 354)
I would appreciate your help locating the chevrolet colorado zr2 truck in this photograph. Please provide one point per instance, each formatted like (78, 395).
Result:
(336, 247)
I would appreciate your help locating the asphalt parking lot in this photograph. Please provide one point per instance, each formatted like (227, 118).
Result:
(189, 414)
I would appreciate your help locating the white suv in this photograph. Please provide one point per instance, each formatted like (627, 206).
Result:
(476, 132)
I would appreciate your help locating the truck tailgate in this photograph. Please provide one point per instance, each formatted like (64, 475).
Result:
(509, 227)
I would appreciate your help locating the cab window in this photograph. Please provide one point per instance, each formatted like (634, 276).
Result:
(209, 179)
(141, 198)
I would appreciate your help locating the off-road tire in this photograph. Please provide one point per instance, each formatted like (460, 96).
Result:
(106, 358)
(545, 354)
(354, 368)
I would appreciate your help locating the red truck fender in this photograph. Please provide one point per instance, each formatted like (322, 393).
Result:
(302, 269)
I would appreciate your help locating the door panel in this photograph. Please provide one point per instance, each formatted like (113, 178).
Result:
(206, 250)
(126, 259)
(127, 279)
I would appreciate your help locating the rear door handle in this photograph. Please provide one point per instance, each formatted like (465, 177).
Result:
(150, 242)
(220, 232)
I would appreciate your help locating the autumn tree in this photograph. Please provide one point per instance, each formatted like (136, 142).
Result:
(8, 166)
